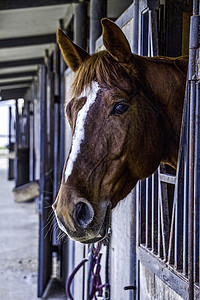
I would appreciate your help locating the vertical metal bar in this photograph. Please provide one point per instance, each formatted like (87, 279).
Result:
(11, 147)
(195, 7)
(197, 187)
(138, 213)
(150, 36)
(133, 244)
(147, 213)
(16, 142)
(163, 221)
(155, 204)
(45, 244)
(176, 235)
(31, 142)
(194, 45)
(179, 217)
(138, 235)
(135, 25)
(62, 66)
(159, 219)
(62, 105)
(186, 173)
(42, 180)
(145, 32)
(196, 192)
(152, 213)
(10, 125)
(170, 250)
(56, 166)
(191, 192)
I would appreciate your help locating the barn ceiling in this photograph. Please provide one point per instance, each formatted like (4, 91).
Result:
(27, 30)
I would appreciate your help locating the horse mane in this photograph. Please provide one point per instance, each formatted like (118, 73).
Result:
(112, 74)
(102, 68)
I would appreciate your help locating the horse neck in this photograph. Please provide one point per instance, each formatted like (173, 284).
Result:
(167, 82)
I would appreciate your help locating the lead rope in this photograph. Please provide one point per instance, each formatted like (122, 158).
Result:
(94, 257)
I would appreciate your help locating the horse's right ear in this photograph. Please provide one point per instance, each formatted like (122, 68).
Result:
(115, 41)
(72, 54)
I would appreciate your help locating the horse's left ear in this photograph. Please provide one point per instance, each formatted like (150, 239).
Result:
(72, 54)
(115, 41)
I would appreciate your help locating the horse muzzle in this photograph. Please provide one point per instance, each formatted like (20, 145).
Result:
(103, 231)
(83, 224)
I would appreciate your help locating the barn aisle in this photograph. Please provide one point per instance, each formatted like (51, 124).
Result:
(19, 243)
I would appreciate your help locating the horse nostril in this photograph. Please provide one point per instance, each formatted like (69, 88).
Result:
(84, 214)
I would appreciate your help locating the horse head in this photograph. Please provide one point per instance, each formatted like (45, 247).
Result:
(118, 133)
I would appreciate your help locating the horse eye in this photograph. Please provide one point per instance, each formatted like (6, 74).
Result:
(119, 108)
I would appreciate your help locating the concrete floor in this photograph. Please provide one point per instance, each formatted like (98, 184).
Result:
(18, 243)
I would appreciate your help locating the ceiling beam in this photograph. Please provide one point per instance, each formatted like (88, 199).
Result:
(13, 93)
(20, 82)
(10, 4)
(28, 41)
(19, 74)
(20, 63)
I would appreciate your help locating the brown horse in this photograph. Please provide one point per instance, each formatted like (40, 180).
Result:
(125, 116)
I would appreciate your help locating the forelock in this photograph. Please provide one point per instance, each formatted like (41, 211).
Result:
(100, 67)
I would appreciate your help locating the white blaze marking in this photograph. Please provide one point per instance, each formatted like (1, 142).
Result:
(90, 92)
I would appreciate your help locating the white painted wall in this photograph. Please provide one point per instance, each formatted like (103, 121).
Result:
(153, 288)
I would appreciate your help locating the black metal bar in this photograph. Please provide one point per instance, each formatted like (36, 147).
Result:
(196, 188)
(170, 249)
(145, 31)
(135, 25)
(153, 27)
(155, 212)
(195, 7)
(152, 212)
(159, 220)
(133, 243)
(178, 232)
(197, 172)
(143, 212)
(191, 193)
(41, 280)
(194, 45)
(164, 218)
(16, 140)
(11, 147)
(186, 178)
(27, 41)
(147, 214)
(31, 141)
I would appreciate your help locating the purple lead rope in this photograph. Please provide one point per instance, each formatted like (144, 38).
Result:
(71, 277)
(97, 285)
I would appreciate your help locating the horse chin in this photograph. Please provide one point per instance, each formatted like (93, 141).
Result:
(103, 231)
